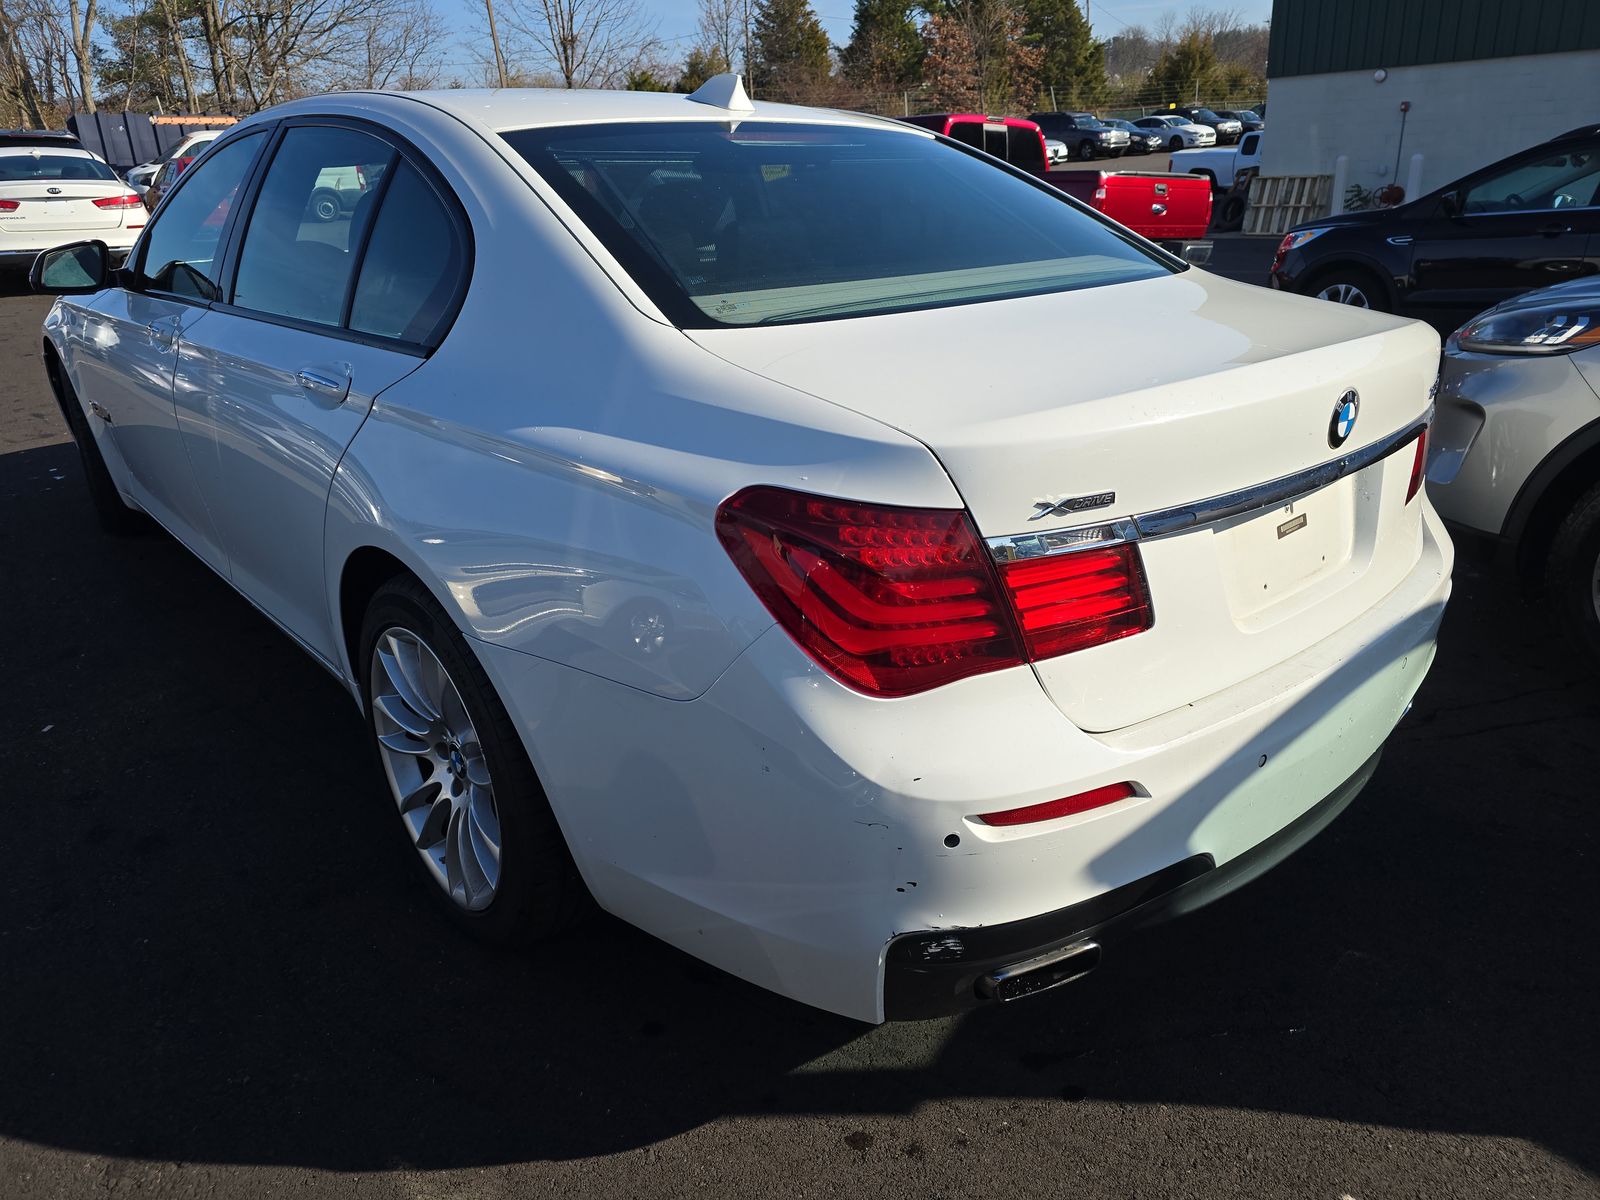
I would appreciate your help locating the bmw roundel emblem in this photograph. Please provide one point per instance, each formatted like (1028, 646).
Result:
(1343, 423)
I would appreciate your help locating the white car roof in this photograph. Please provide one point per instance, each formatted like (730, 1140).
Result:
(68, 150)
(502, 109)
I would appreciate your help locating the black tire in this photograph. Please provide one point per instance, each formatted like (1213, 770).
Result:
(1207, 176)
(325, 205)
(540, 893)
(1085, 150)
(1572, 573)
(1176, 143)
(1232, 214)
(110, 509)
(1368, 284)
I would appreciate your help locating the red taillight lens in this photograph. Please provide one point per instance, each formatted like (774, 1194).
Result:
(129, 201)
(1419, 466)
(890, 600)
(1283, 249)
(9, 205)
(1064, 807)
(1068, 602)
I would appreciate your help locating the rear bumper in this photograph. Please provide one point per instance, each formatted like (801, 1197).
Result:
(938, 973)
(796, 833)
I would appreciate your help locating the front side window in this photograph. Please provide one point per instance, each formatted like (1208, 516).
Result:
(1568, 180)
(21, 168)
(308, 223)
(771, 222)
(180, 247)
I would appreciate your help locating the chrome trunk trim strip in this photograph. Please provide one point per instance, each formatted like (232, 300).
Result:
(1166, 521)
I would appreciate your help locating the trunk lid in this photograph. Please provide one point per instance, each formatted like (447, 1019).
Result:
(1162, 393)
(70, 206)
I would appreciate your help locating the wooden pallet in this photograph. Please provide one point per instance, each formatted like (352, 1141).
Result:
(1280, 201)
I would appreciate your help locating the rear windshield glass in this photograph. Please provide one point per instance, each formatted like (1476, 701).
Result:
(769, 223)
(17, 168)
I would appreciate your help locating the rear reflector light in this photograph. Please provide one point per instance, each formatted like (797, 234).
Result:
(1419, 466)
(131, 200)
(898, 600)
(9, 205)
(1067, 602)
(889, 600)
(1065, 807)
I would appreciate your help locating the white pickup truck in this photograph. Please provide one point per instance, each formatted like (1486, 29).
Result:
(1219, 163)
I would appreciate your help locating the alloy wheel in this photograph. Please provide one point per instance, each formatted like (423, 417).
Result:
(436, 768)
(1345, 293)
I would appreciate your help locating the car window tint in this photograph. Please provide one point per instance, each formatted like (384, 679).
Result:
(1023, 149)
(413, 263)
(308, 222)
(17, 168)
(1555, 181)
(968, 132)
(1248, 145)
(180, 255)
(786, 221)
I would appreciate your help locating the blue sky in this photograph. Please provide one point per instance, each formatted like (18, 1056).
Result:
(675, 20)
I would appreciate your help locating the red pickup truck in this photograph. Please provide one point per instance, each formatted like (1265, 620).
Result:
(1162, 207)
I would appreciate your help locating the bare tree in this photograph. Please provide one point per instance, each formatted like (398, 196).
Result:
(588, 43)
(82, 37)
(401, 46)
(722, 27)
(494, 40)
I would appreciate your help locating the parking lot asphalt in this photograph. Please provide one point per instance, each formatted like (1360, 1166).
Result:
(221, 978)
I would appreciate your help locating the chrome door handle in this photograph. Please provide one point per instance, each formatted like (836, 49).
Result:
(313, 382)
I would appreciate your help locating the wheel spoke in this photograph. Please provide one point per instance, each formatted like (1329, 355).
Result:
(424, 793)
(395, 707)
(436, 826)
(400, 663)
(402, 742)
(454, 880)
(477, 768)
(485, 821)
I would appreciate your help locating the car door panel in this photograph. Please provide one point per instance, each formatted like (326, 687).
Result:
(125, 356)
(1463, 265)
(266, 437)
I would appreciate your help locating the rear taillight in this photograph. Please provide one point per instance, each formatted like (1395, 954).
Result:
(131, 200)
(1419, 466)
(898, 600)
(9, 205)
(890, 600)
(1282, 250)
(1065, 807)
(1067, 602)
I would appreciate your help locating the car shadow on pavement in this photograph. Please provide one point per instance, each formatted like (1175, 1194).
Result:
(216, 949)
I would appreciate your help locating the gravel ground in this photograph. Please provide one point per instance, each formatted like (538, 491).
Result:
(220, 978)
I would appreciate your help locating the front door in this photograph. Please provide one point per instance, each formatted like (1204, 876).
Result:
(336, 283)
(1520, 226)
(127, 352)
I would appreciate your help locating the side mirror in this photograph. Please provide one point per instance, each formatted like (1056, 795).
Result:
(72, 270)
(1450, 204)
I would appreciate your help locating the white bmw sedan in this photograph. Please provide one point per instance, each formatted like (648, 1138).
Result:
(679, 488)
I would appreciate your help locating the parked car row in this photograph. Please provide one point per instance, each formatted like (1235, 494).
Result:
(1505, 260)
(848, 598)
(1086, 136)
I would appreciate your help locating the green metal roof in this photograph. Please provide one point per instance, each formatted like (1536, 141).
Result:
(1311, 37)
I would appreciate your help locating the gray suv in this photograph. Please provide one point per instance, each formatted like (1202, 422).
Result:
(1084, 134)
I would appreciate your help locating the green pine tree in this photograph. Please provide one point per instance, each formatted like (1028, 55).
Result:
(1074, 63)
(700, 65)
(1186, 71)
(885, 51)
(791, 51)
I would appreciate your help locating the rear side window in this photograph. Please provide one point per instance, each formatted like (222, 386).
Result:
(1249, 144)
(1024, 148)
(413, 263)
(180, 247)
(772, 222)
(19, 168)
(308, 222)
(968, 133)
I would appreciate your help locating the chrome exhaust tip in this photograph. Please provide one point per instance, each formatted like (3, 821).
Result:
(1040, 974)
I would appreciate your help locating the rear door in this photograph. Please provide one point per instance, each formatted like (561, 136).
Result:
(325, 310)
(1516, 227)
